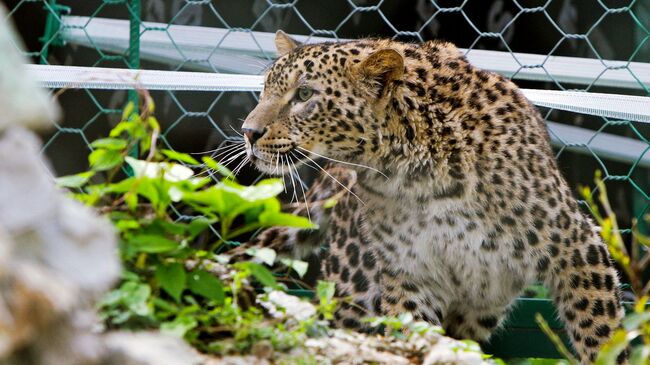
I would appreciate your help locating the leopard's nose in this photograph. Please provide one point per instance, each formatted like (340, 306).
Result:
(253, 134)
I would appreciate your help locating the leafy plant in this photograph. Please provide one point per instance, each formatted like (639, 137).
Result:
(634, 261)
(175, 227)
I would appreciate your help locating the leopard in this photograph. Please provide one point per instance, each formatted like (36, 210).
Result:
(447, 198)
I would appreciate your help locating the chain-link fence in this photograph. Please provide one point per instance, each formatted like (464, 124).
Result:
(599, 45)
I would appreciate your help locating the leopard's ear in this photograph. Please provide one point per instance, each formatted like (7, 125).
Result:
(379, 70)
(284, 44)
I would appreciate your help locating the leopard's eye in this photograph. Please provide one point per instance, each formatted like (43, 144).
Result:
(304, 93)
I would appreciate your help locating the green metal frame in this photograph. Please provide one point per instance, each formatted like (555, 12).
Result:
(52, 26)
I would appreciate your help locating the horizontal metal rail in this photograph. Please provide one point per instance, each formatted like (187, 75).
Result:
(623, 107)
(248, 52)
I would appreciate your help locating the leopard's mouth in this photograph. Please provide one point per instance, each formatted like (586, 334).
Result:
(276, 162)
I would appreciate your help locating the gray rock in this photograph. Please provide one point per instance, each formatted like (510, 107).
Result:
(56, 258)
(21, 100)
(48, 228)
(150, 348)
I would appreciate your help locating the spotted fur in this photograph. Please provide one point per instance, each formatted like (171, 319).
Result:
(474, 207)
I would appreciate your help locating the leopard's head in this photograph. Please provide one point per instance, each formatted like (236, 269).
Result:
(322, 99)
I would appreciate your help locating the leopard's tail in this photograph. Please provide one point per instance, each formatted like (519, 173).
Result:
(585, 288)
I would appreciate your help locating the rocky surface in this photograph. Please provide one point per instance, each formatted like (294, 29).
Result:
(22, 102)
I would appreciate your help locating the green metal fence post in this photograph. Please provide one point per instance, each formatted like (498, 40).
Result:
(134, 43)
(52, 26)
(134, 59)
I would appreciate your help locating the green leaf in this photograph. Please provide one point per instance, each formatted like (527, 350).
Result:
(325, 291)
(151, 243)
(76, 180)
(265, 189)
(634, 321)
(148, 188)
(300, 267)
(109, 143)
(286, 220)
(211, 198)
(330, 203)
(640, 355)
(172, 279)
(135, 296)
(179, 326)
(101, 159)
(267, 255)
(169, 171)
(128, 109)
(198, 225)
(612, 348)
(261, 273)
(214, 165)
(206, 285)
(178, 156)
(119, 187)
(127, 224)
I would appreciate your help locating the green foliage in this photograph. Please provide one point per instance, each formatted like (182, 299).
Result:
(635, 262)
(396, 325)
(172, 281)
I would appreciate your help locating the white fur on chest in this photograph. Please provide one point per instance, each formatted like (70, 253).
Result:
(447, 249)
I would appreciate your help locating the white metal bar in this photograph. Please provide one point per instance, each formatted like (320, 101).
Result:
(247, 52)
(577, 139)
(604, 145)
(77, 77)
(624, 107)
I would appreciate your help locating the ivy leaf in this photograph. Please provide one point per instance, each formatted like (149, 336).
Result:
(172, 279)
(178, 156)
(102, 159)
(151, 243)
(206, 285)
(109, 143)
(76, 180)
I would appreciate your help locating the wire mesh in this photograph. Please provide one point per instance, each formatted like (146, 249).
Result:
(612, 35)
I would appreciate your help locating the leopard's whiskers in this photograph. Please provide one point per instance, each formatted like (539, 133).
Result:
(231, 157)
(236, 131)
(282, 173)
(229, 149)
(344, 162)
(302, 185)
(240, 166)
(293, 182)
(225, 144)
(330, 175)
